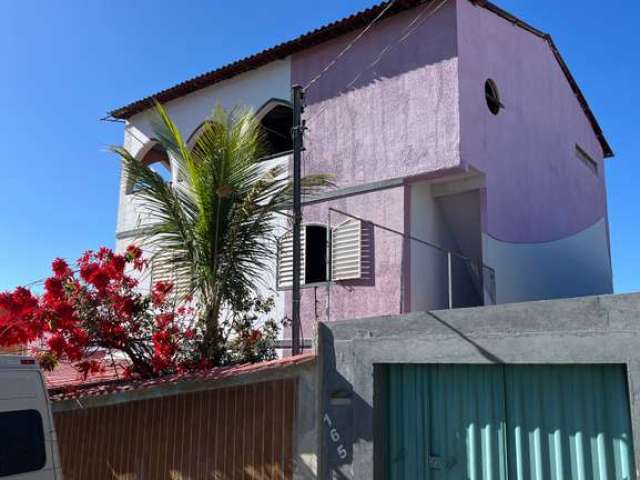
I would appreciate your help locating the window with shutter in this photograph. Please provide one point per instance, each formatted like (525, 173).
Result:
(285, 260)
(348, 259)
(163, 270)
(346, 250)
(315, 247)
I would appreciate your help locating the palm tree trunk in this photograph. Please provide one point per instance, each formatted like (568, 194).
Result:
(213, 343)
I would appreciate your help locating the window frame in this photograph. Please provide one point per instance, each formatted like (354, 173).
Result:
(264, 110)
(41, 447)
(329, 256)
(303, 253)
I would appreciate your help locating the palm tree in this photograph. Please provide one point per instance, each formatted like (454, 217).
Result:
(217, 219)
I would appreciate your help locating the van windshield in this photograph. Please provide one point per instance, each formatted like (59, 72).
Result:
(21, 442)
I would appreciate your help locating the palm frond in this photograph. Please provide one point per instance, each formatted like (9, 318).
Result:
(218, 216)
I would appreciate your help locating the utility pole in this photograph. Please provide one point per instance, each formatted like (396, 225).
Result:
(298, 130)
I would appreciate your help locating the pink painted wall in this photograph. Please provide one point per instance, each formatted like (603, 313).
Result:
(387, 109)
(370, 120)
(379, 295)
(537, 190)
(408, 101)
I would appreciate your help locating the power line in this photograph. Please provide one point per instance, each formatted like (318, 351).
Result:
(349, 45)
(408, 31)
(44, 279)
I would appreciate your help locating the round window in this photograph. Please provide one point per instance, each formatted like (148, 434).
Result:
(492, 96)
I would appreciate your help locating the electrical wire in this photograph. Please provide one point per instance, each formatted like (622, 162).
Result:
(411, 27)
(349, 45)
(44, 279)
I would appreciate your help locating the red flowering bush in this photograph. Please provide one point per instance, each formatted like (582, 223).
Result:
(97, 308)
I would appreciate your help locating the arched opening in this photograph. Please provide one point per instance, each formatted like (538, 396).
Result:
(193, 138)
(157, 159)
(276, 118)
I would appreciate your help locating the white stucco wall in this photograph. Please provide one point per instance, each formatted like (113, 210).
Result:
(572, 267)
(446, 214)
(428, 279)
(252, 89)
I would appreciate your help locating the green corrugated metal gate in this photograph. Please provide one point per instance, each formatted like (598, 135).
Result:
(514, 422)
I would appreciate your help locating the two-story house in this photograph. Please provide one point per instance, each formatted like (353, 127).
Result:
(468, 165)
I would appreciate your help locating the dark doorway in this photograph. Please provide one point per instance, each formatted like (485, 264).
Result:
(315, 264)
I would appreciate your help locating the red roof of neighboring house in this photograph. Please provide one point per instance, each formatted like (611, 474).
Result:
(66, 376)
(59, 390)
(332, 30)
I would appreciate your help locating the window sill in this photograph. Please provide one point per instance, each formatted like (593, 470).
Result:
(306, 285)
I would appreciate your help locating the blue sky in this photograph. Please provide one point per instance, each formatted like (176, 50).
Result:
(67, 62)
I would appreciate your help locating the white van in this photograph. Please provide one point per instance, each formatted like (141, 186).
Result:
(28, 447)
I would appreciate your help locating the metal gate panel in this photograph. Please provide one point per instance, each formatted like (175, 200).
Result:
(475, 422)
(444, 423)
(568, 423)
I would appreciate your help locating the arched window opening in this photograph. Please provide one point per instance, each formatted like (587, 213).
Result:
(193, 138)
(277, 124)
(158, 161)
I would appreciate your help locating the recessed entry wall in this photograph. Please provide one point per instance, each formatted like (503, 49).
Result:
(444, 220)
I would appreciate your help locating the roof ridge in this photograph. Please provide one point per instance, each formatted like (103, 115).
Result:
(332, 30)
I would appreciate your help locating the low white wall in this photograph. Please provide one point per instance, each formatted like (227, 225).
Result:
(572, 267)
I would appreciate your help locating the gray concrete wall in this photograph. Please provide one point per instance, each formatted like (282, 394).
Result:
(600, 329)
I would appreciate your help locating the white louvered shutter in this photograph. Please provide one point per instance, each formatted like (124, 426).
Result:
(346, 250)
(163, 270)
(285, 259)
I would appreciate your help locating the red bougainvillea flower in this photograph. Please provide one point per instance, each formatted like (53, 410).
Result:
(86, 367)
(255, 336)
(97, 308)
(164, 320)
(20, 319)
(57, 344)
(60, 268)
(134, 255)
(160, 292)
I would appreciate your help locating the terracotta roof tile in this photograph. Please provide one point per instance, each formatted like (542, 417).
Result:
(66, 376)
(277, 52)
(59, 390)
(328, 32)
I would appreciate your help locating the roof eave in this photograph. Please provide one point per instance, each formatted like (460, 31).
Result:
(606, 148)
(332, 30)
(277, 52)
